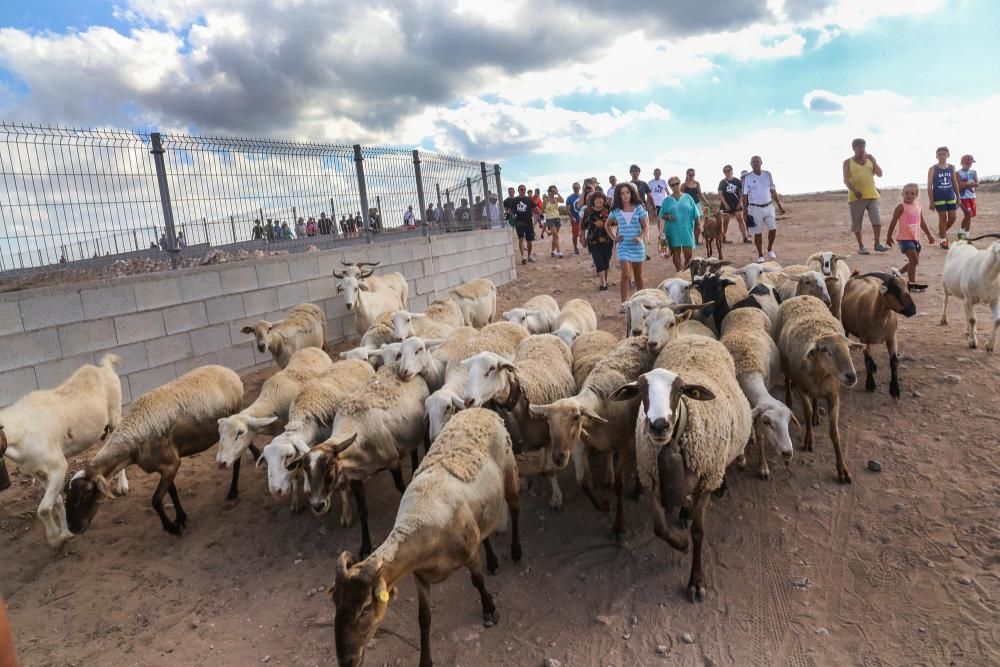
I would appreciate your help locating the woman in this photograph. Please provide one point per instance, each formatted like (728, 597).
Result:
(680, 211)
(552, 219)
(693, 188)
(632, 220)
(311, 227)
(598, 234)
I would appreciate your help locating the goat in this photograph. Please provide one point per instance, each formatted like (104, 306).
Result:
(974, 276)
(369, 296)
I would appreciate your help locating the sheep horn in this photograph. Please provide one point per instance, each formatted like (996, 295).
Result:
(369, 263)
(347, 263)
(338, 274)
(367, 274)
(884, 277)
(985, 236)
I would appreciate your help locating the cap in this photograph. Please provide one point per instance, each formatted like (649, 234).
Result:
(968, 158)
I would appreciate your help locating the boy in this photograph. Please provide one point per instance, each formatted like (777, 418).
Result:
(968, 181)
(942, 192)
(911, 221)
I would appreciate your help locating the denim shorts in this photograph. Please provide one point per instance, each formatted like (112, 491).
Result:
(906, 246)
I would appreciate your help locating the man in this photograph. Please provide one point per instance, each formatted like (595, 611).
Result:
(730, 192)
(968, 181)
(409, 220)
(645, 194)
(524, 210)
(438, 213)
(574, 216)
(658, 188)
(491, 212)
(613, 180)
(860, 171)
(428, 214)
(508, 206)
(759, 201)
(257, 233)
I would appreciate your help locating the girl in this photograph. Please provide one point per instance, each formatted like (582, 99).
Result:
(599, 234)
(680, 211)
(633, 221)
(552, 219)
(942, 192)
(911, 221)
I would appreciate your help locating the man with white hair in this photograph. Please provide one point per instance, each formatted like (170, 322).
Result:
(759, 201)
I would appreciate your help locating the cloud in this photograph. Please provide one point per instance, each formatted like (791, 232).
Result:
(820, 101)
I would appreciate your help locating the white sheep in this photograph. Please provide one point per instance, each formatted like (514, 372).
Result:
(268, 414)
(678, 289)
(751, 273)
(429, 357)
(576, 317)
(441, 318)
(464, 490)
(49, 425)
(304, 327)
(538, 315)
(477, 299)
(164, 425)
(831, 265)
(639, 306)
(666, 323)
(588, 349)
(800, 280)
(746, 334)
(369, 296)
(693, 422)
(541, 373)
(973, 276)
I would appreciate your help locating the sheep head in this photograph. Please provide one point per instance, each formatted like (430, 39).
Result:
(361, 596)
(415, 357)
(894, 292)
(489, 380)
(319, 465)
(811, 283)
(402, 324)
(568, 421)
(661, 391)
(276, 455)
(440, 407)
(84, 494)
(235, 434)
(771, 418)
(261, 333)
(832, 354)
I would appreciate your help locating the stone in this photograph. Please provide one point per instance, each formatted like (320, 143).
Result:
(965, 580)
(874, 465)
(687, 638)
(801, 582)
(662, 649)
(551, 662)
(950, 379)
(604, 620)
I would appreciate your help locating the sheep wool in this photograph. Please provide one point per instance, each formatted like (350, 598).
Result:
(464, 444)
(381, 392)
(475, 289)
(543, 378)
(319, 396)
(629, 359)
(745, 335)
(588, 349)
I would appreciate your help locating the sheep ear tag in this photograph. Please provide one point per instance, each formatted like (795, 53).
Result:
(383, 596)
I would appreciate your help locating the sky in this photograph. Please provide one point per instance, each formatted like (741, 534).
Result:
(553, 90)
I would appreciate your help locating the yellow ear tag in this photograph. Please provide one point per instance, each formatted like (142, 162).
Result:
(383, 596)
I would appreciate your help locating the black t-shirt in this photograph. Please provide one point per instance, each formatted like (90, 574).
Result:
(732, 190)
(643, 188)
(508, 205)
(521, 206)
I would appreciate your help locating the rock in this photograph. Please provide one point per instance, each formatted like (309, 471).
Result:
(938, 438)
(582, 576)
(801, 582)
(661, 649)
(874, 465)
(604, 620)
(950, 379)
(687, 638)
(634, 620)
(626, 635)
(266, 658)
(551, 662)
(822, 631)
(965, 580)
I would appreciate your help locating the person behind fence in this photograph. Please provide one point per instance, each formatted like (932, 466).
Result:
(409, 219)
(286, 232)
(269, 230)
(598, 233)
(477, 209)
(181, 241)
(438, 213)
(300, 228)
(311, 227)
(463, 215)
(491, 211)
(257, 233)
(163, 241)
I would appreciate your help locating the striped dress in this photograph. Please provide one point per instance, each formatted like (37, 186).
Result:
(629, 250)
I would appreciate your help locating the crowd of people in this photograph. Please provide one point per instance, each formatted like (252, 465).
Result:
(622, 217)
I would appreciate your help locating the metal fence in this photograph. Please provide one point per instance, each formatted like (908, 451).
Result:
(79, 194)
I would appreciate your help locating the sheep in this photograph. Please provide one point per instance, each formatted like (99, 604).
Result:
(45, 427)
(375, 427)
(588, 349)
(700, 266)
(369, 296)
(666, 323)
(538, 315)
(430, 357)
(693, 422)
(309, 419)
(378, 334)
(711, 232)
(678, 289)
(746, 334)
(799, 280)
(463, 491)
(723, 293)
(816, 358)
(832, 265)
(973, 276)
(869, 306)
(477, 299)
(764, 297)
(589, 420)
(576, 317)
(268, 413)
(165, 424)
(751, 273)
(304, 327)
(541, 373)
(501, 338)
(639, 306)
(441, 318)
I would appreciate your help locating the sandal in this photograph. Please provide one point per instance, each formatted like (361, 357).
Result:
(944, 244)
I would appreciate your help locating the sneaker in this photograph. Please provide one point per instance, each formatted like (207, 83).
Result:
(916, 287)
(553, 254)
(576, 250)
(772, 255)
(531, 258)
(760, 260)
(603, 288)
(880, 248)
(863, 251)
(524, 261)
(748, 240)
(559, 255)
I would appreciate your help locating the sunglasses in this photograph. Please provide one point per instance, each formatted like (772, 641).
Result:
(674, 184)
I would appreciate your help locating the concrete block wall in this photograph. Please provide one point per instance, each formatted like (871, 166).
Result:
(165, 324)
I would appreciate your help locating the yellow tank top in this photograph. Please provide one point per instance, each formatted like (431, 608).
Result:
(552, 209)
(863, 179)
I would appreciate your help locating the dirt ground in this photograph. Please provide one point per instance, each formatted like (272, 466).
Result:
(900, 568)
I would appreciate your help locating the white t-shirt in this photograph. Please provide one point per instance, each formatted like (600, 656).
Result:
(658, 187)
(758, 188)
(611, 194)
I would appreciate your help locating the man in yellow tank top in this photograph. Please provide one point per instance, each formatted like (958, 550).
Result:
(860, 171)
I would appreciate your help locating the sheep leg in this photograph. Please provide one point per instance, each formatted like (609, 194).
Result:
(807, 419)
(815, 410)
(299, 500)
(346, 515)
(944, 307)
(181, 515)
(696, 591)
(890, 346)
(234, 485)
(512, 494)
(556, 500)
(995, 311)
(414, 462)
(492, 562)
(56, 533)
(358, 489)
(4, 476)
(870, 369)
(764, 471)
(618, 531)
(843, 476)
(397, 478)
(970, 317)
(424, 620)
(121, 484)
(723, 488)
(490, 615)
(582, 466)
(167, 484)
(661, 528)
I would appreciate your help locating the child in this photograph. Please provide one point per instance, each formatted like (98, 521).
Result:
(942, 192)
(968, 180)
(911, 220)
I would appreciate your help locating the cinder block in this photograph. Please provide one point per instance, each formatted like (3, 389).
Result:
(413, 270)
(46, 311)
(86, 336)
(260, 301)
(10, 318)
(225, 308)
(241, 279)
(425, 285)
(133, 358)
(185, 318)
(327, 262)
(15, 384)
(430, 266)
(139, 327)
(321, 288)
(303, 268)
(400, 253)
(157, 293)
(292, 295)
(166, 350)
(30, 348)
(339, 328)
(143, 381)
(210, 339)
(336, 307)
(420, 249)
(198, 286)
(53, 373)
(374, 253)
(272, 274)
(108, 301)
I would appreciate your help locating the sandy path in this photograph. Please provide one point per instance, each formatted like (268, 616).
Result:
(899, 568)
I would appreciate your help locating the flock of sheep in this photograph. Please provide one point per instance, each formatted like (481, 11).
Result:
(672, 404)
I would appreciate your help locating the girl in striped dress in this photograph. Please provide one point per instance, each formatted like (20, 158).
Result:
(633, 221)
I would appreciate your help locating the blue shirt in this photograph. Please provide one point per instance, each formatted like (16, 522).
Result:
(571, 207)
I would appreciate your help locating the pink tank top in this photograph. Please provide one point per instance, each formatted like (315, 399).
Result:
(909, 223)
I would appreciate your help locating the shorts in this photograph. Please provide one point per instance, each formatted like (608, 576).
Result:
(525, 230)
(858, 208)
(949, 205)
(759, 217)
(906, 246)
(553, 223)
(969, 206)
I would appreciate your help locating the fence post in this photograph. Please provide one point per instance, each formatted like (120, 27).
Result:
(295, 219)
(420, 192)
(333, 220)
(204, 223)
(135, 238)
(437, 186)
(362, 192)
(487, 209)
(168, 211)
(496, 171)
(472, 217)
(232, 225)
(378, 207)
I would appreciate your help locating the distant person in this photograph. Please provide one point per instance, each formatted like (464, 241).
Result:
(163, 241)
(642, 187)
(629, 214)
(325, 225)
(968, 181)
(463, 215)
(257, 233)
(62, 259)
(491, 211)
(553, 220)
(613, 180)
(181, 241)
(574, 216)
(599, 233)
(508, 206)
(286, 232)
(692, 187)
(680, 213)
(524, 211)
(269, 230)
(429, 214)
(658, 189)
(311, 227)
(860, 171)
(942, 192)
(300, 228)
(409, 220)
(911, 221)
(730, 203)
(477, 209)
(438, 213)
(759, 201)
(153, 246)
(540, 215)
